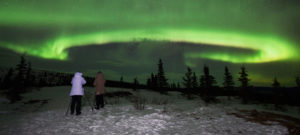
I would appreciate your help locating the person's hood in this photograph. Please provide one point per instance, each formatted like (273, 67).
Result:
(99, 74)
(78, 74)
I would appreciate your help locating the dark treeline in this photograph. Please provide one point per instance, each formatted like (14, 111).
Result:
(22, 78)
(158, 81)
(205, 86)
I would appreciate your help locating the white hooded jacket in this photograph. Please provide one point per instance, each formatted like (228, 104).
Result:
(77, 83)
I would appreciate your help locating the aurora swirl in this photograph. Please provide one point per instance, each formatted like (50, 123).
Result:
(268, 48)
(48, 29)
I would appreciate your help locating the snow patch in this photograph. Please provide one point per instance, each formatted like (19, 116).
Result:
(180, 118)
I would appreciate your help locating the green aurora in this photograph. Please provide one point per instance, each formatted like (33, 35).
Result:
(262, 26)
(268, 48)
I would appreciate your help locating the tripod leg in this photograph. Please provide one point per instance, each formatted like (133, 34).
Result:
(89, 103)
(68, 108)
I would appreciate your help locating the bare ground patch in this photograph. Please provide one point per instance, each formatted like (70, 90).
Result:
(267, 118)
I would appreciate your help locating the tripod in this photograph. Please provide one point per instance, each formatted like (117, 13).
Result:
(89, 103)
(68, 108)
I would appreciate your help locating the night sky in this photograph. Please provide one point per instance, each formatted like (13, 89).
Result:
(127, 37)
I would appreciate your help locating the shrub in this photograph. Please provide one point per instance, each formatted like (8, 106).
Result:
(139, 103)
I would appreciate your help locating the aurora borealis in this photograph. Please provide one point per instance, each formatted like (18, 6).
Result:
(260, 34)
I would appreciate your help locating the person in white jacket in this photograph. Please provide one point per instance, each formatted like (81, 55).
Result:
(77, 92)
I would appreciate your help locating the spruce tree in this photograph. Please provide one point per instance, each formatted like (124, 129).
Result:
(244, 78)
(298, 85)
(178, 85)
(173, 85)
(149, 82)
(206, 80)
(298, 81)
(135, 83)
(14, 94)
(194, 81)
(8, 79)
(245, 88)
(29, 81)
(187, 82)
(43, 79)
(21, 76)
(187, 79)
(275, 83)
(207, 83)
(153, 82)
(228, 81)
(161, 78)
(278, 96)
(60, 79)
(121, 79)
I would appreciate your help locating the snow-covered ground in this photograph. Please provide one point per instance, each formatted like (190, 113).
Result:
(163, 114)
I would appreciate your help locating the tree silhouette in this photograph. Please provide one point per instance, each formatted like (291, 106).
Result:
(244, 78)
(298, 81)
(245, 92)
(135, 83)
(173, 85)
(207, 83)
(149, 82)
(187, 79)
(121, 79)
(187, 82)
(161, 78)
(30, 78)
(14, 94)
(275, 83)
(228, 81)
(178, 85)
(121, 82)
(21, 76)
(152, 81)
(194, 81)
(207, 80)
(8, 79)
(43, 81)
(278, 95)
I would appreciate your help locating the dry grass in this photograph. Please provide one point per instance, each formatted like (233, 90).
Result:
(267, 118)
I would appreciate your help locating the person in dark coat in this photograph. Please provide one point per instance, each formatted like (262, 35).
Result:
(77, 92)
(99, 83)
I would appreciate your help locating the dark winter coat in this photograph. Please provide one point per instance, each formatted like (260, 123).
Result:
(99, 83)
